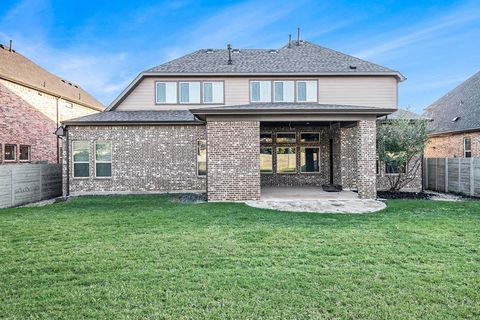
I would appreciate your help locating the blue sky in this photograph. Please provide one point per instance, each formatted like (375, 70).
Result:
(103, 45)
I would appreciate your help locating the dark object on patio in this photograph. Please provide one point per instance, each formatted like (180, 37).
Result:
(331, 187)
(402, 195)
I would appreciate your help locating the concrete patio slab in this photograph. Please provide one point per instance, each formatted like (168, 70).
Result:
(320, 206)
(304, 193)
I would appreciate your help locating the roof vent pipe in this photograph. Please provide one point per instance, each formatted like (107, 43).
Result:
(10, 46)
(298, 36)
(289, 40)
(229, 48)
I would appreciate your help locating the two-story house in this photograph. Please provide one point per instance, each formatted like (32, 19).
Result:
(33, 102)
(229, 121)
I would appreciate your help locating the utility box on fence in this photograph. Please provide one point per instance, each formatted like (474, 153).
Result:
(27, 183)
(456, 175)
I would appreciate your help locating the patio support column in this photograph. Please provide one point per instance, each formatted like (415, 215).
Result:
(233, 160)
(366, 159)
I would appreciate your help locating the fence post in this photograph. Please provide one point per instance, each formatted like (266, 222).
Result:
(436, 174)
(472, 177)
(40, 173)
(459, 173)
(12, 181)
(426, 173)
(446, 175)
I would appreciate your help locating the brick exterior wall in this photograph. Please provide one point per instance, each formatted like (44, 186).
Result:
(348, 157)
(233, 160)
(144, 159)
(415, 185)
(449, 146)
(302, 178)
(31, 119)
(366, 159)
(23, 124)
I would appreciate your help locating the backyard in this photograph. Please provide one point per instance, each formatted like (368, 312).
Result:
(152, 257)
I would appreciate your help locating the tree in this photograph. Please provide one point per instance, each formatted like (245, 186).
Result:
(400, 145)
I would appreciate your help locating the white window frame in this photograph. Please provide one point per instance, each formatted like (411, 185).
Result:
(306, 93)
(20, 152)
(73, 159)
(319, 157)
(206, 169)
(200, 88)
(14, 152)
(213, 92)
(103, 161)
(175, 100)
(260, 93)
(464, 149)
(283, 93)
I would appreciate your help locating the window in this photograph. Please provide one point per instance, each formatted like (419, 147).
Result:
(260, 91)
(284, 91)
(309, 159)
(103, 159)
(286, 137)
(467, 147)
(166, 92)
(307, 91)
(213, 92)
(10, 152)
(266, 137)
(266, 160)
(393, 167)
(202, 157)
(189, 92)
(81, 155)
(24, 153)
(309, 137)
(286, 160)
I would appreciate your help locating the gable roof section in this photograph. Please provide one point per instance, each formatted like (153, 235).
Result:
(17, 68)
(305, 59)
(458, 110)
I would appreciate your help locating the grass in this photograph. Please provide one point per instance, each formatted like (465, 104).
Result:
(147, 257)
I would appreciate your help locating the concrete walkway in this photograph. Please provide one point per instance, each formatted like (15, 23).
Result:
(314, 199)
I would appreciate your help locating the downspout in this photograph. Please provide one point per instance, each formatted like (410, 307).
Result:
(58, 142)
(66, 163)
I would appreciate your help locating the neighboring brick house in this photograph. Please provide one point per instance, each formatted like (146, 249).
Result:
(231, 121)
(33, 102)
(455, 126)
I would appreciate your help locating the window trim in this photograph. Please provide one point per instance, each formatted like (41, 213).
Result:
(97, 161)
(274, 100)
(14, 152)
(206, 160)
(200, 94)
(202, 88)
(260, 93)
(465, 150)
(296, 90)
(319, 162)
(73, 160)
(296, 162)
(273, 155)
(165, 103)
(29, 153)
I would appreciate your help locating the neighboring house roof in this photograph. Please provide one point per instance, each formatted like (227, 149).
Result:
(458, 110)
(305, 59)
(404, 114)
(135, 117)
(16, 68)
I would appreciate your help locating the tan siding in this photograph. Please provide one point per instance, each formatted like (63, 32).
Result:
(364, 91)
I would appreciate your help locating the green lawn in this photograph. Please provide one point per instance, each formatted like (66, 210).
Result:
(147, 257)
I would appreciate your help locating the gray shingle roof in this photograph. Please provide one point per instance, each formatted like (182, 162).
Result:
(404, 114)
(304, 58)
(462, 102)
(117, 117)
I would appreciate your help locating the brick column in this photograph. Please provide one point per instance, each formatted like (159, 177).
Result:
(366, 159)
(233, 160)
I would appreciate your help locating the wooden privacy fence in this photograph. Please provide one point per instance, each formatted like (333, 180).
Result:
(458, 175)
(21, 184)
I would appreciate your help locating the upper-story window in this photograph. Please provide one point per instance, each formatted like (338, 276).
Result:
(284, 91)
(189, 92)
(261, 91)
(166, 92)
(213, 92)
(307, 91)
(467, 147)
